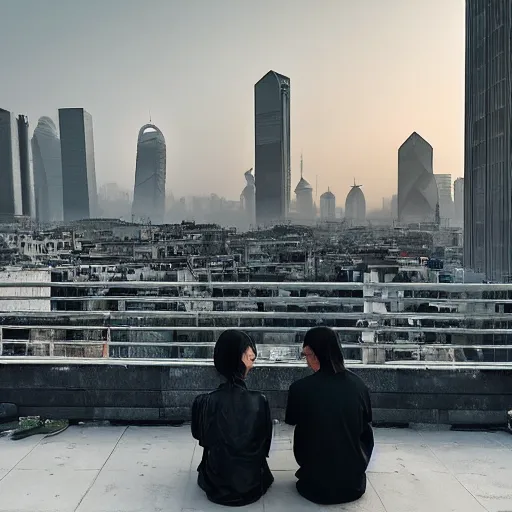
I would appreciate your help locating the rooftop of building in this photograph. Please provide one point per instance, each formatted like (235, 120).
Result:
(114, 468)
(328, 195)
(302, 186)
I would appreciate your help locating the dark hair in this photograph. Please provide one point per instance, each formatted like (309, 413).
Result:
(227, 356)
(323, 341)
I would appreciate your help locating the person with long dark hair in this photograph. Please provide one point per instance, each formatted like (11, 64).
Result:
(332, 414)
(234, 427)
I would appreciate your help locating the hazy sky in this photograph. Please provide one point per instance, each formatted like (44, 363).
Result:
(364, 75)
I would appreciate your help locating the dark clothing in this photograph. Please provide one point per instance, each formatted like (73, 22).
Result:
(333, 439)
(234, 427)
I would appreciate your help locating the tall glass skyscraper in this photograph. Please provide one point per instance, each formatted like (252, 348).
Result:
(488, 139)
(444, 190)
(272, 148)
(150, 176)
(26, 170)
(80, 196)
(16, 176)
(47, 171)
(10, 173)
(417, 188)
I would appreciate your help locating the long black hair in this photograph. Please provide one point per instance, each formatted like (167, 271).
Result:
(323, 341)
(229, 349)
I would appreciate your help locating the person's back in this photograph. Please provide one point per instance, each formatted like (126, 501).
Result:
(234, 427)
(333, 439)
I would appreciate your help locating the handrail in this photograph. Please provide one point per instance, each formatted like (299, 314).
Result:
(193, 328)
(341, 315)
(310, 299)
(284, 285)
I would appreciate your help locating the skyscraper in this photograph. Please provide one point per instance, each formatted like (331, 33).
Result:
(247, 198)
(488, 139)
(417, 188)
(458, 199)
(47, 171)
(444, 190)
(355, 206)
(150, 176)
(11, 202)
(328, 206)
(28, 199)
(80, 196)
(304, 194)
(272, 148)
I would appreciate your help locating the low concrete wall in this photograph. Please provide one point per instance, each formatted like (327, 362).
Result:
(163, 390)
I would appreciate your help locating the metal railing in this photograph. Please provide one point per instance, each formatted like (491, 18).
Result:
(376, 322)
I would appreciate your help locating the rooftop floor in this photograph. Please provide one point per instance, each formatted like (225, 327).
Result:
(100, 469)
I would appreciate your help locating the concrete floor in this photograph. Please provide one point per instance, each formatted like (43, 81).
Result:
(106, 469)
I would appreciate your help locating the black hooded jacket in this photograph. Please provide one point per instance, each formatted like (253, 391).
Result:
(234, 427)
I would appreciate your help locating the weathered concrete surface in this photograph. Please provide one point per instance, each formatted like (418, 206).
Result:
(150, 469)
(135, 390)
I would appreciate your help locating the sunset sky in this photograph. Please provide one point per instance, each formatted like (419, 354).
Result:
(364, 75)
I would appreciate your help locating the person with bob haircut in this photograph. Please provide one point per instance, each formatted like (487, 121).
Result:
(332, 414)
(234, 427)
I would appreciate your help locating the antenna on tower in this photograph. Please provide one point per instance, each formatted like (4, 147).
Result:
(149, 116)
(301, 165)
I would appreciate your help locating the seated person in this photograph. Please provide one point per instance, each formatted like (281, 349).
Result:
(331, 411)
(234, 427)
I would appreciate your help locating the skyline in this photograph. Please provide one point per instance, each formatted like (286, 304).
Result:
(399, 67)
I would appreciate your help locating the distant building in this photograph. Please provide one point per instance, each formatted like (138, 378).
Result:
(16, 174)
(355, 206)
(304, 193)
(11, 201)
(47, 171)
(272, 148)
(150, 176)
(248, 198)
(394, 206)
(487, 147)
(444, 190)
(458, 198)
(417, 188)
(28, 198)
(328, 206)
(80, 195)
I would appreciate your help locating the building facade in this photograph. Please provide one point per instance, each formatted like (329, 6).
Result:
(272, 148)
(417, 188)
(458, 202)
(444, 190)
(328, 206)
(11, 199)
(150, 176)
(47, 171)
(80, 195)
(488, 139)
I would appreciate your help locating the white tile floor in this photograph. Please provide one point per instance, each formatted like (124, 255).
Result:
(150, 469)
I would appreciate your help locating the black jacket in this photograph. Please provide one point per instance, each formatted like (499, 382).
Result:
(234, 427)
(333, 439)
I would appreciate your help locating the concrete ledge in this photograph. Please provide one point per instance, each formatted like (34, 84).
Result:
(145, 391)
